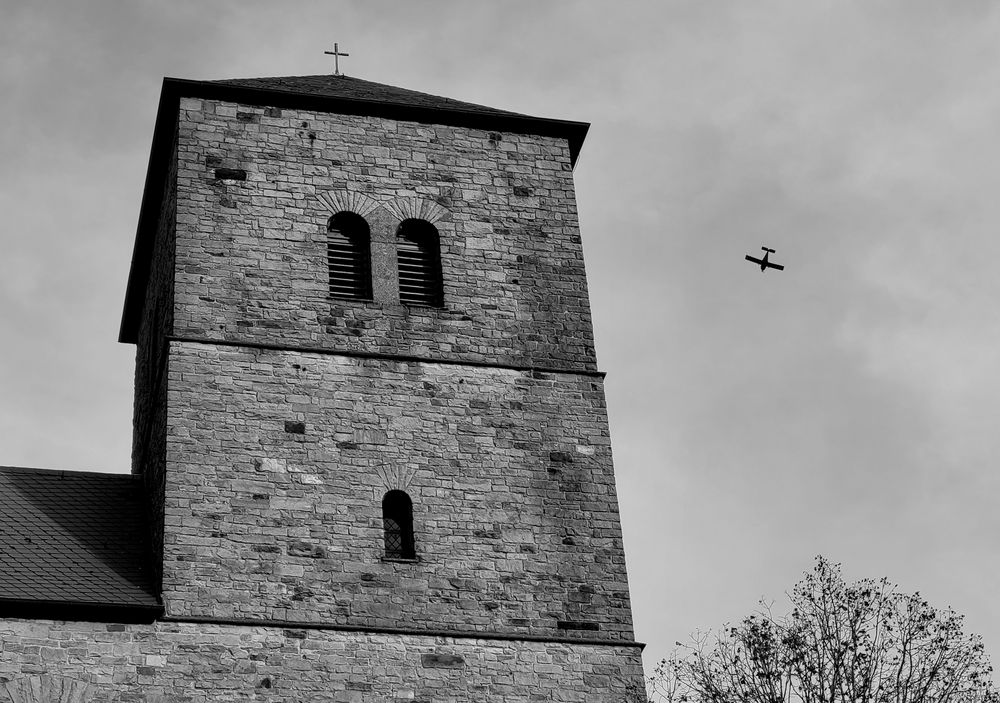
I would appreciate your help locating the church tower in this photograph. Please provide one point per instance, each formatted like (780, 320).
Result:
(368, 414)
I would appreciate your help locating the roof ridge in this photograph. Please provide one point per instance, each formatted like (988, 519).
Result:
(71, 472)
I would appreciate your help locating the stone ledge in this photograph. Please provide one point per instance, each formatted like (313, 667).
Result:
(386, 357)
(454, 634)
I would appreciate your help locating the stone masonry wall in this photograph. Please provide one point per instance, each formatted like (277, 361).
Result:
(197, 663)
(278, 461)
(256, 187)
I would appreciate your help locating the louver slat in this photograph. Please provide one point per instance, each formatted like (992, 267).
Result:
(347, 264)
(419, 279)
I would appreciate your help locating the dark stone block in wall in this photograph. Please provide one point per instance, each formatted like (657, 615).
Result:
(302, 594)
(295, 427)
(577, 625)
(561, 457)
(272, 111)
(442, 661)
(304, 549)
(248, 117)
(230, 174)
(523, 191)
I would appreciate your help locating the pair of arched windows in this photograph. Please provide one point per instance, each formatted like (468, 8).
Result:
(397, 523)
(418, 256)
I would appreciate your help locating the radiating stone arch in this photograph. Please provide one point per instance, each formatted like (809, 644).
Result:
(395, 478)
(47, 688)
(342, 200)
(417, 209)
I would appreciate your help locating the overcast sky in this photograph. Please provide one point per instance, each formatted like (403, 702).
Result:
(846, 406)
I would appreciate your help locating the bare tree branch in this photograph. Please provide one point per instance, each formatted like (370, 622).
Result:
(841, 643)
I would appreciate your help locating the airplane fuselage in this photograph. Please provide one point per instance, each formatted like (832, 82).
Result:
(764, 263)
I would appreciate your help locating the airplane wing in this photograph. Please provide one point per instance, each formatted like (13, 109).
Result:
(775, 266)
(757, 261)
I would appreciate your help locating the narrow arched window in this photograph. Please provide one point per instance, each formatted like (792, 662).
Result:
(418, 251)
(348, 257)
(397, 520)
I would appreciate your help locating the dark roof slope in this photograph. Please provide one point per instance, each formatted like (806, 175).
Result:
(350, 88)
(343, 95)
(73, 541)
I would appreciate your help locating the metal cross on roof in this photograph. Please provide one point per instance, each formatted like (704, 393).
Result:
(336, 59)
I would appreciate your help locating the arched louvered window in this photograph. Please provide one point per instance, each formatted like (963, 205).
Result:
(397, 520)
(348, 257)
(419, 253)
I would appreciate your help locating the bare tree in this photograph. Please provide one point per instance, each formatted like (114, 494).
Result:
(841, 643)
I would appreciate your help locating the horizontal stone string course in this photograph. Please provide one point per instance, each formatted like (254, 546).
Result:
(388, 357)
(419, 632)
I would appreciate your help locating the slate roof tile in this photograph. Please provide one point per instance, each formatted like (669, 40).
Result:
(74, 538)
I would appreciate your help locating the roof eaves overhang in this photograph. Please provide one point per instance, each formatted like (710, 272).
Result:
(166, 123)
(86, 611)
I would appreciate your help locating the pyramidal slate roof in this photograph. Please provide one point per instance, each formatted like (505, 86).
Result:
(343, 95)
(73, 545)
(350, 88)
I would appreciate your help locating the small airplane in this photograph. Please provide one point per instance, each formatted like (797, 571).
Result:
(764, 263)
